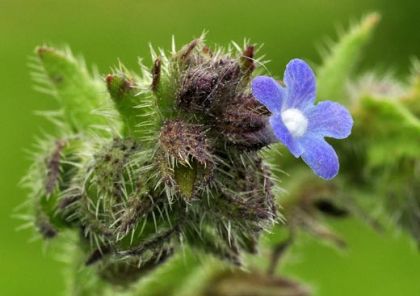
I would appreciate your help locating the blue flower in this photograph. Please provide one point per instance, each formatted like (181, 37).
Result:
(300, 124)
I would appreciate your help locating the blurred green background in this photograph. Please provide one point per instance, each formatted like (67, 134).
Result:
(105, 31)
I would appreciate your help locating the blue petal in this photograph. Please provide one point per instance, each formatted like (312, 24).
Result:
(284, 136)
(268, 92)
(330, 119)
(301, 85)
(320, 157)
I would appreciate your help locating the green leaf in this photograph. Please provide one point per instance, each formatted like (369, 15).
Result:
(392, 128)
(80, 95)
(342, 57)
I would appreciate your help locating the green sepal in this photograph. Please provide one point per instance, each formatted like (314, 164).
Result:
(185, 177)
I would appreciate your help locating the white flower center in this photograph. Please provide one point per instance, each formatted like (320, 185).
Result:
(295, 121)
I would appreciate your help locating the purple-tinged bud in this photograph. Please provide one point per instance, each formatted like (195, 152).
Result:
(184, 141)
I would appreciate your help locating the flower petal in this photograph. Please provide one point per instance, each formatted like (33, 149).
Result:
(301, 84)
(320, 157)
(284, 136)
(268, 92)
(330, 119)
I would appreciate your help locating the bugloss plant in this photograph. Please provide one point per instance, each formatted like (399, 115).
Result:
(149, 177)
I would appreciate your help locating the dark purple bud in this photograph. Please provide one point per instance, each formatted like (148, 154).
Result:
(244, 122)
